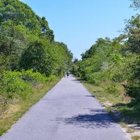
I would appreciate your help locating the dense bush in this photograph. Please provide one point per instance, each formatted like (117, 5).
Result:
(12, 86)
(33, 77)
(15, 84)
(133, 86)
(96, 77)
(112, 88)
(51, 78)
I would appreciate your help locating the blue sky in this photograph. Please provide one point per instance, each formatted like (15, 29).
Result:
(79, 23)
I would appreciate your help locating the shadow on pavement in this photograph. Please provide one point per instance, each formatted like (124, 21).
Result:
(78, 80)
(96, 119)
(90, 96)
(75, 80)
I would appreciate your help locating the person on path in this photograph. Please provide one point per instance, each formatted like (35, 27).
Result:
(67, 74)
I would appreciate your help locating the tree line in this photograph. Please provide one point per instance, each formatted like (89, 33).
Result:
(115, 61)
(28, 51)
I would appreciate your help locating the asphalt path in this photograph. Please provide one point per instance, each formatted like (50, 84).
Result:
(66, 112)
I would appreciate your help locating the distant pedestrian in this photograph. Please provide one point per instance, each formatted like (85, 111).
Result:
(68, 74)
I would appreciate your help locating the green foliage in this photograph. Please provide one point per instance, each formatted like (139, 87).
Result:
(96, 77)
(12, 86)
(16, 84)
(112, 89)
(133, 86)
(3, 62)
(135, 4)
(34, 58)
(27, 42)
(132, 28)
(120, 67)
(109, 61)
(135, 137)
(33, 77)
(51, 78)
(15, 12)
(46, 32)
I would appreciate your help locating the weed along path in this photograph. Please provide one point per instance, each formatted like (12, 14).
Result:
(67, 112)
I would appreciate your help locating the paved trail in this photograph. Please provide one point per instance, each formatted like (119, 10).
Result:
(67, 112)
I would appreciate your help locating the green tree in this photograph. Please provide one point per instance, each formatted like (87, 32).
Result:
(135, 4)
(132, 29)
(46, 32)
(36, 58)
(27, 41)
(14, 12)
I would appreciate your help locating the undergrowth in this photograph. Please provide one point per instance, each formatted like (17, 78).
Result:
(18, 92)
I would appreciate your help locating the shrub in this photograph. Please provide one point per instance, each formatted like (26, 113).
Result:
(15, 84)
(97, 77)
(12, 86)
(133, 85)
(133, 90)
(33, 77)
(112, 88)
(50, 78)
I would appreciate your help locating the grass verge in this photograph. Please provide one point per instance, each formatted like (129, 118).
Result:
(16, 111)
(136, 138)
(118, 106)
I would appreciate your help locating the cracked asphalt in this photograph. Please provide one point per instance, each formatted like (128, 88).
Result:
(67, 112)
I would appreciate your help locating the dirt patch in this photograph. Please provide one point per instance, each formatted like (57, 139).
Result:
(11, 109)
(131, 130)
